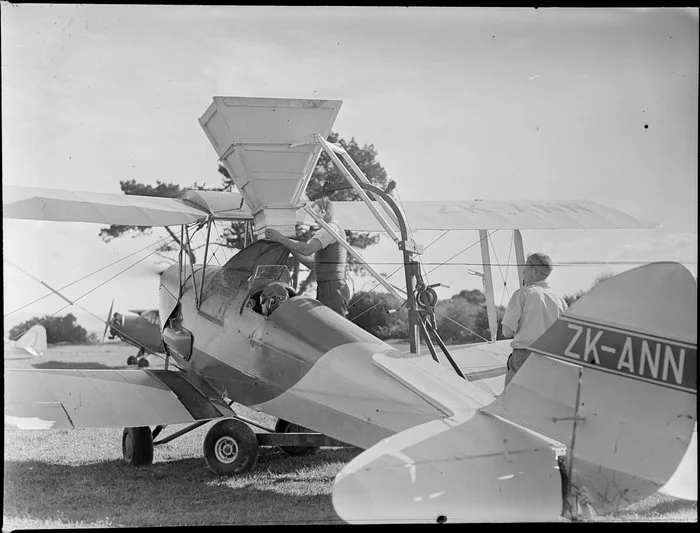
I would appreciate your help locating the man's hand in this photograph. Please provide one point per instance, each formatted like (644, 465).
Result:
(273, 235)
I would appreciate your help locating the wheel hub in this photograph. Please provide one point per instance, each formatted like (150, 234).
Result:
(226, 450)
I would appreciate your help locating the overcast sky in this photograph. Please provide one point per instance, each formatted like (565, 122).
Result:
(460, 103)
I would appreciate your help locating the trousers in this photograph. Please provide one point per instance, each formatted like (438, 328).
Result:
(334, 294)
(515, 361)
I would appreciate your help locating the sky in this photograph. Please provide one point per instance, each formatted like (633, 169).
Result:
(459, 103)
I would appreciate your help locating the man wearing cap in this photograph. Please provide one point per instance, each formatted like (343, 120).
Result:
(330, 259)
(531, 310)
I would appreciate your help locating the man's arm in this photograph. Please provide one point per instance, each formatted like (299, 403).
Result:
(507, 332)
(296, 247)
(306, 260)
(511, 316)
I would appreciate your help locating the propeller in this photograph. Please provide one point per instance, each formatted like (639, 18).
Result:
(109, 317)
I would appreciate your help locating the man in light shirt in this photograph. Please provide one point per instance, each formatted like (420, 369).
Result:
(329, 262)
(531, 310)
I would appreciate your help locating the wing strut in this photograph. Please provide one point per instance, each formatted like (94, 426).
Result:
(488, 283)
(421, 298)
(519, 254)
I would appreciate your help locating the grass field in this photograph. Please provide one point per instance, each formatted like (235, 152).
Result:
(77, 479)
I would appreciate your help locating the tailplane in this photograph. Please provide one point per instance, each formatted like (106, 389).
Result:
(31, 344)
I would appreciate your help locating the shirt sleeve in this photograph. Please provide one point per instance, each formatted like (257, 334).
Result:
(514, 311)
(324, 237)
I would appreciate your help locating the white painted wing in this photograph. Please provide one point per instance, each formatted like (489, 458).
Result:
(65, 399)
(471, 468)
(34, 203)
(483, 364)
(445, 390)
(476, 215)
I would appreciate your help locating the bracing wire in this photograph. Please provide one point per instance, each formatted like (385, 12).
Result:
(84, 277)
(75, 300)
(394, 272)
(505, 283)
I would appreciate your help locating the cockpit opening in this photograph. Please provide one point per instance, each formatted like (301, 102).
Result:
(270, 286)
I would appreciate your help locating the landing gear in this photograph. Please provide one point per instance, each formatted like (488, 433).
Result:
(138, 359)
(137, 446)
(230, 447)
(282, 426)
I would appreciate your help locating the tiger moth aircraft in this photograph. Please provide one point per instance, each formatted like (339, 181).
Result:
(606, 405)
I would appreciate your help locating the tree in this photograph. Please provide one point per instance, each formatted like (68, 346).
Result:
(600, 278)
(325, 173)
(370, 311)
(58, 329)
(464, 318)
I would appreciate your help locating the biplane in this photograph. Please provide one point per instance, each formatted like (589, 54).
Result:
(141, 329)
(329, 382)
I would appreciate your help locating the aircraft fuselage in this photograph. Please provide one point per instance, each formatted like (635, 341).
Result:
(304, 363)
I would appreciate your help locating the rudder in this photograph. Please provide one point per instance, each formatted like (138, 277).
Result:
(618, 385)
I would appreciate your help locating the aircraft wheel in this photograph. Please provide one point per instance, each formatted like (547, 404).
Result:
(230, 447)
(137, 446)
(143, 362)
(131, 360)
(282, 426)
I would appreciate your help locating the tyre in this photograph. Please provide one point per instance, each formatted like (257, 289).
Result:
(131, 360)
(282, 426)
(143, 362)
(230, 447)
(137, 446)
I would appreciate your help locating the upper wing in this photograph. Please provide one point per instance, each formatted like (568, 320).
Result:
(36, 203)
(64, 399)
(478, 214)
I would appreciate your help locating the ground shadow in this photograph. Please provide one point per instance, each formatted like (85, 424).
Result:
(280, 490)
(57, 365)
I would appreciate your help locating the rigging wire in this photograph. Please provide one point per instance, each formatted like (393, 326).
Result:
(84, 277)
(378, 284)
(75, 300)
(510, 251)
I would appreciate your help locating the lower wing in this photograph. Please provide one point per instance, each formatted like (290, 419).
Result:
(65, 399)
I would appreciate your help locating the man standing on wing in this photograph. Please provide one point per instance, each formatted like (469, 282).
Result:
(330, 259)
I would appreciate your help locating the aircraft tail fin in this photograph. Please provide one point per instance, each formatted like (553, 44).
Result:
(33, 341)
(615, 381)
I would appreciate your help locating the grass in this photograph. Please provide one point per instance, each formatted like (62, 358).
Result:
(77, 479)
